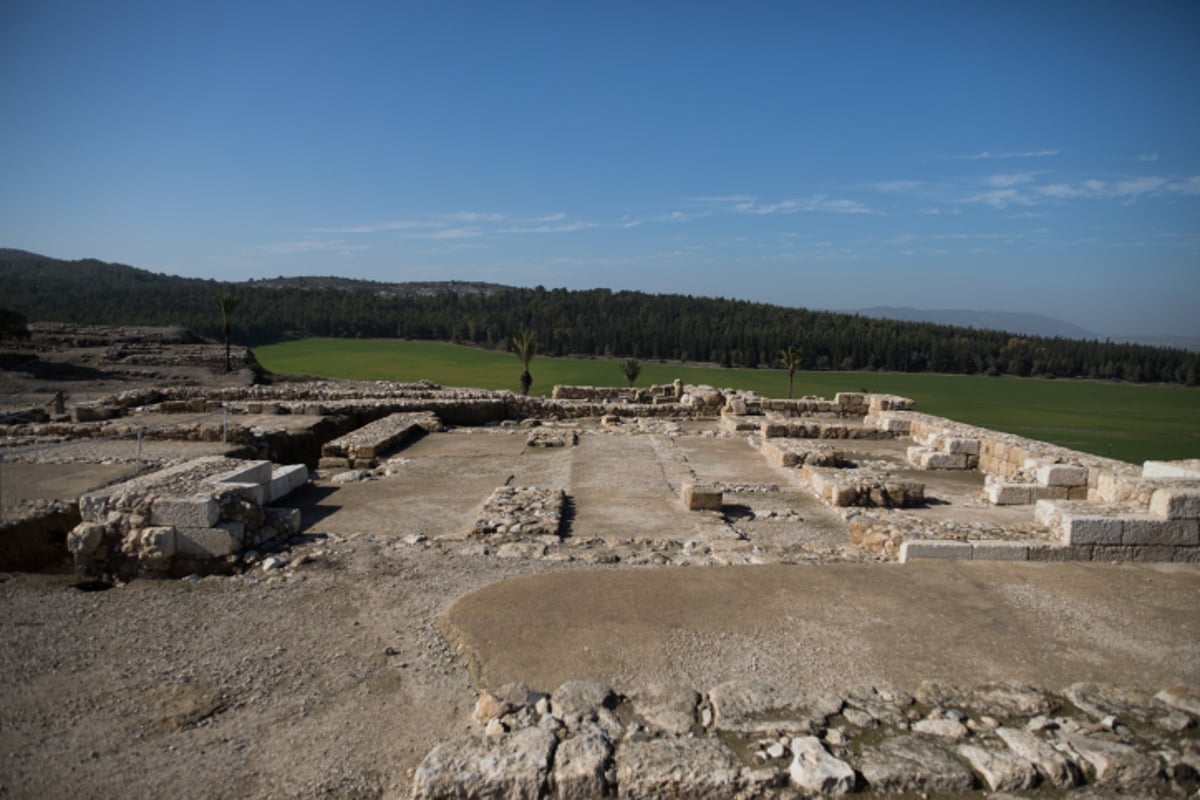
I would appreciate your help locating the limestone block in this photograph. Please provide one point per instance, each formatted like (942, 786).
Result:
(197, 511)
(698, 497)
(1175, 503)
(512, 766)
(1002, 770)
(1052, 764)
(954, 444)
(934, 460)
(676, 767)
(85, 538)
(286, 519)
(1146, 530)
(1188, 469)
(285, 480)
(915, 454)
(1112, 763)
(1009, 494)
(1062, 475)
(1048, 513)
(1113, 488)
(815, 771)
(1088, 529)
(580, 766)
(914, 764)
(773, 429)
(842, 495)
(206, 542)
(333, 462)
(667, 707)
(1154, 553)
(251, 472)
(999, 551)
(935, 548)
(1058, 553)
(750, 707)
(850, 399)
(256, 493)
(93, 507)
(1039, 492)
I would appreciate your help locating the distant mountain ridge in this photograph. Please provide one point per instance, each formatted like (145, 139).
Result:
(1011, 321)
(592, 322)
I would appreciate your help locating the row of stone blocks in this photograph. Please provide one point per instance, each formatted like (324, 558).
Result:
(203, 510)
(793, 453)
(362, 447)
(1053, 482)
(744, 739)
(772, 428)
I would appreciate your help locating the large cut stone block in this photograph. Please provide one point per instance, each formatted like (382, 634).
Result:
(1086, 529)
(1062, 475)
(197, 511)
(954, 444)
(935, 548)
(252, 472)
(1187, 470)
(1152, 531)
(999, 551)
(934, 460)
(698, 497)
(512, 766)
(1009, 494)
(285, 480)
(206, 542)
(1175, 503)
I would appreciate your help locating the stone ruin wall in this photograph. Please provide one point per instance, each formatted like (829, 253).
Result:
(1097, 507)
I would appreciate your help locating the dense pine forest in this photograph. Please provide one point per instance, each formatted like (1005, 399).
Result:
(591, 322)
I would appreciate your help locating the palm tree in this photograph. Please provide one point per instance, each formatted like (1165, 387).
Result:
(524, 344)
(791, 358)
(227, 303)
(631, 368)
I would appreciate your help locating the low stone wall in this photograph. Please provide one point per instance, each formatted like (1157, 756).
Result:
(862, 488)
(745, 739)
(362, 447)
(194, 517)
(792, 453)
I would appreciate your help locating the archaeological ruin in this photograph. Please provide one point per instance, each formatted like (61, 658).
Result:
(184, 481)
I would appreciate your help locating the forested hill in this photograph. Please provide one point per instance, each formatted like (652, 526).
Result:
(592, 322)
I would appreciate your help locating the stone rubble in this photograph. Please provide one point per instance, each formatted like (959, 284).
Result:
(515, 513)
(587, 740)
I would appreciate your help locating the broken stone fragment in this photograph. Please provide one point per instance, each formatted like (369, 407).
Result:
(1002, 770)
(512, 765)
(814, 770)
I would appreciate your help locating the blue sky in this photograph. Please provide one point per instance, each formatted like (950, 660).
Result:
(1021, 156)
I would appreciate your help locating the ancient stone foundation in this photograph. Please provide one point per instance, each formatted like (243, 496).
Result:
(199, 516)
(744, 739)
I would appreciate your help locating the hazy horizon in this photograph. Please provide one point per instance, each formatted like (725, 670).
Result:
(993, 156)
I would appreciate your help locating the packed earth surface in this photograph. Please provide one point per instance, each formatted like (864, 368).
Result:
(529, 608)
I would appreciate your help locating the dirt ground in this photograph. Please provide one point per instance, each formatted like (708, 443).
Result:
(332, 677)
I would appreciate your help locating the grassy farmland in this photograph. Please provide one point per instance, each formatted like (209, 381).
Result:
(1123, 421)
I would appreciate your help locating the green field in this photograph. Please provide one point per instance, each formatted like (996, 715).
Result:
(1124, 421)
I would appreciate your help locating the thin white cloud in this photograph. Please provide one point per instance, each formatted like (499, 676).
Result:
(475, 216)
(566, 227)
(449, 233)
(818, 203)
(897, 186)
(988, 155)
(379, 227)
(1011, 179)
(1147, 157)
(1129, 189)
(1001, 198)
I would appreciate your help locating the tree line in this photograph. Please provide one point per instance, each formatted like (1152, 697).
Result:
(592, 322)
